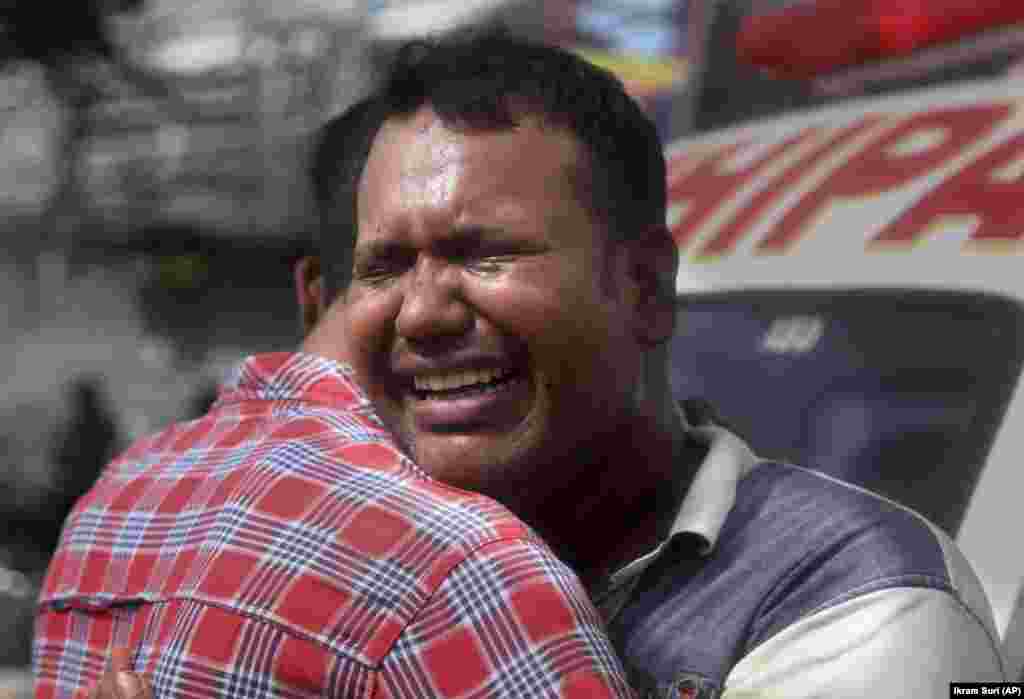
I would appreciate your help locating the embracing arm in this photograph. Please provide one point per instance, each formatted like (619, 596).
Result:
(510, 620)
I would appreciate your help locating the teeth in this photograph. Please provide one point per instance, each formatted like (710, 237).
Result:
(459, 379)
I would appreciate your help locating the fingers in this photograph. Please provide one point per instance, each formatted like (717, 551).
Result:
(120, 659)
(119, 681)
(132, 685)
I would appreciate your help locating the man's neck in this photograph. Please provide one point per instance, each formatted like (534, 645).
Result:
(630, 498)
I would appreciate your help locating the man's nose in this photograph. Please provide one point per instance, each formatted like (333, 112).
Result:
(433, 308)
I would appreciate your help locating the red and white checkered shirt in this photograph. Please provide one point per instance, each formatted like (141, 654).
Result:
(282, 546)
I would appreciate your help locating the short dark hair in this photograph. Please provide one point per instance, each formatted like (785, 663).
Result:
(339, 156)
(490, 79)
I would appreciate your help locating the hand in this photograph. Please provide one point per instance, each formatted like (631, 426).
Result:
(119, 681)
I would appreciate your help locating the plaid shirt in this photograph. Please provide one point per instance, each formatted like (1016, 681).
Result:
(282, 546)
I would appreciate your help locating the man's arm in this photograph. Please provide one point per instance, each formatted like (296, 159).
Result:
(511, 620)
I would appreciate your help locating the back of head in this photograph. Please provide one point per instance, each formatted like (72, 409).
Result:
(86, 395)
(339, 155)
(491, 80)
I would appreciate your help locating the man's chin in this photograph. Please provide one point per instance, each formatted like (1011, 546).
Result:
(461, 460)
(492, 459)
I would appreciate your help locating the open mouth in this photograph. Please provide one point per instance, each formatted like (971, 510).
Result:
(465, 384)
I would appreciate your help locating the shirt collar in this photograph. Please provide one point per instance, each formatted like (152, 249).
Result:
(712, 493)
(297, 376)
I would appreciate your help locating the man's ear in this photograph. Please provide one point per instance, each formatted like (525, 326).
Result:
(309, 291)
(653, 265)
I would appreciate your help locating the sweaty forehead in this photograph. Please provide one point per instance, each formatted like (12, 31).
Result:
(421, 156)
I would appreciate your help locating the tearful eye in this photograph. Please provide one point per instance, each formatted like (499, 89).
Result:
(377, 272)
(372, 276)
(381, 261)
(486, 265)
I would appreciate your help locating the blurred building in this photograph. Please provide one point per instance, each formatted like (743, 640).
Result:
(184, 230)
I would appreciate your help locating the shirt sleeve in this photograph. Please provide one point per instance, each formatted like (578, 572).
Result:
(901, 642)
(510, 620)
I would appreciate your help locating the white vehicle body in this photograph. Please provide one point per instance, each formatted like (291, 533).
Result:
(921, 189)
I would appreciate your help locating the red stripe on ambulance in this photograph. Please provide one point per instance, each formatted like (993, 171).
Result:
(879, 164)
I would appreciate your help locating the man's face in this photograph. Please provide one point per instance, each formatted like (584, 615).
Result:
(488, 321)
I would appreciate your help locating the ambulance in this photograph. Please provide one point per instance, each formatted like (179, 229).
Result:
(848, 202)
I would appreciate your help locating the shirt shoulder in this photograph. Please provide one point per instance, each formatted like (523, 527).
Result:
(883, 602)
(822, 541)
(795, 546)
(304, 517)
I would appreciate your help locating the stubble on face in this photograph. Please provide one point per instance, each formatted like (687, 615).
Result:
(543, 310)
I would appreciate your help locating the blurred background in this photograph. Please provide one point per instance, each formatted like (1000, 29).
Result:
(153, 197)
(153, 200)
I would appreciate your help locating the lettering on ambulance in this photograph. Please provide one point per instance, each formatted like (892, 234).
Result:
(713, 181)
(731, 232)
(884, 165)
(986, 188)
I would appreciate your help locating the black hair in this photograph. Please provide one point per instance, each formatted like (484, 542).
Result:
(491, 79)
(340, 153)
